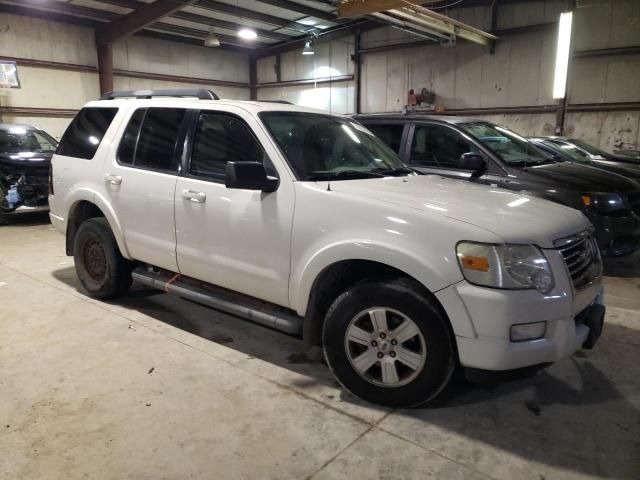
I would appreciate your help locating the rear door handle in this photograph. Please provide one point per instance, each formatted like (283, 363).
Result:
(195, 197)
(113, 179)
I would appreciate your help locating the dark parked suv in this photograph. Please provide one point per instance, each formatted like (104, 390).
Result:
(483, 152)
(25, 157)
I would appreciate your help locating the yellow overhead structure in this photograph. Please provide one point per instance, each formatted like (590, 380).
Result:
(411, 14)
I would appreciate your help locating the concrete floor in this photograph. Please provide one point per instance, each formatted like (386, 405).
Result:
(156, 387)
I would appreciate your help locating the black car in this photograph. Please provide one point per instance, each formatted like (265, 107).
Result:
(483, 152)
(566, 151)
(599, 154)
(25, 157)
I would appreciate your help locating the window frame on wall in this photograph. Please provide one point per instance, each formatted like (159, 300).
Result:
(191, 138)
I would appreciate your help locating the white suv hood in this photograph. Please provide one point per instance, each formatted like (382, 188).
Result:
(513, 217)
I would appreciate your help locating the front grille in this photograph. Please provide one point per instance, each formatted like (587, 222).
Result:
(582, 258)
(634, 202)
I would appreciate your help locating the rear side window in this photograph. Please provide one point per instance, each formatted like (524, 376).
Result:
(84, 135)
(158, 138)
(220, 139)
(391, 134)
(127, 148)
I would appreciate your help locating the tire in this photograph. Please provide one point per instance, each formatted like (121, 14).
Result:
(102, 270)
(395, 301)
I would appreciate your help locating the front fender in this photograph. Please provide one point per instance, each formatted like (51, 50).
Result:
(433, 276)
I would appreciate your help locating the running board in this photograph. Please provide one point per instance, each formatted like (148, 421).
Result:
(226, 301)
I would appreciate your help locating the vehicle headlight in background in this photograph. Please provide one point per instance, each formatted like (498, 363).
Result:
(505, 266)
(604, 202)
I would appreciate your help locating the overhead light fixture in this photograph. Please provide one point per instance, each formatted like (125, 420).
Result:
(308, 49)
(247, 34)
(310, 22)
(562, 55)
(212, 40)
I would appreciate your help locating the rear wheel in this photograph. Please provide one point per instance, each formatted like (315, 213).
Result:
(387, 343)
(102, 270)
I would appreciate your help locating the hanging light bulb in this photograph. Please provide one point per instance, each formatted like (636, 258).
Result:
(308, 49)
(212, 40)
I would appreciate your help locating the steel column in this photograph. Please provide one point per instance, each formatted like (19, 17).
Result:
(105, 68)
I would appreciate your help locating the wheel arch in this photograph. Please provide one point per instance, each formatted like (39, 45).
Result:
(340, 275)
(85, 207)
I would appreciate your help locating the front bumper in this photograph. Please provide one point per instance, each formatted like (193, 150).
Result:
(617, 235)
(23, 190)
(482, 318)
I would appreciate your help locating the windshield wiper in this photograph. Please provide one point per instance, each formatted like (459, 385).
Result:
(397, 171)
(345, 174)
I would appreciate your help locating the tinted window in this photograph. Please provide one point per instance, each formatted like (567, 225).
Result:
(158, 138)
(220, 139)
(83, 136)
(389, 134)
(437, 146)
(127, 149)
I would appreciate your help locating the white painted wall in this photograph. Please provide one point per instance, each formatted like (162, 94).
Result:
(24, 37)
(332, 59)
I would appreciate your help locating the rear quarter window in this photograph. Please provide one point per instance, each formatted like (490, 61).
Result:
(85, 133)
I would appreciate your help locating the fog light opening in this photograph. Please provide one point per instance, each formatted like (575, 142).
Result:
(528, 331)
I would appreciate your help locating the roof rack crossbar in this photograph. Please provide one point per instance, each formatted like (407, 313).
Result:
(200, 94)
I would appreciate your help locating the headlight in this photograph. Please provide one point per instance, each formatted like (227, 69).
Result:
(505, 266)
(604, 202)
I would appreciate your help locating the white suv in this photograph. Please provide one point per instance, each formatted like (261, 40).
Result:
(308, 223)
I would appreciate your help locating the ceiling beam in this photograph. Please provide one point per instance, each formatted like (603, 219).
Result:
(128, 24)
(250, 15)
(205, 20)
(303, 9)
(67, 14)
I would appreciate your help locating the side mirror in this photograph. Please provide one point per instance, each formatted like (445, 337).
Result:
(474, 162)
(249, 176)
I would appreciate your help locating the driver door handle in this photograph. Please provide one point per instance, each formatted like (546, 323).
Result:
(113, 179)
(195, 197)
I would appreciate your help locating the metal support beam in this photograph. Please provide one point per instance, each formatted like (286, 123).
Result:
(278, 68)
(300, 8)
(137, 20)
(253, 77)
(357, 64)
(204, 19)
(605, 52)
(494, 25)
(105, 68)
(250, 15)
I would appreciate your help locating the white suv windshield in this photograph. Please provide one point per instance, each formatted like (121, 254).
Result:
(325, 147)
(510, 147)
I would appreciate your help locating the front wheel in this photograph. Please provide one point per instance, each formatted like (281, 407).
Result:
(387, 343)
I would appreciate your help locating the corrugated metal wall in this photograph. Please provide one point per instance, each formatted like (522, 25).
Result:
(519, 73)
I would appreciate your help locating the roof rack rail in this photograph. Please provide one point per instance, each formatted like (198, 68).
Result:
(199, 93)
(285, 102)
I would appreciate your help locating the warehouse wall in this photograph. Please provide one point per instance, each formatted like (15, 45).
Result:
(519, 74)
(330, 70)
(51, 94)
